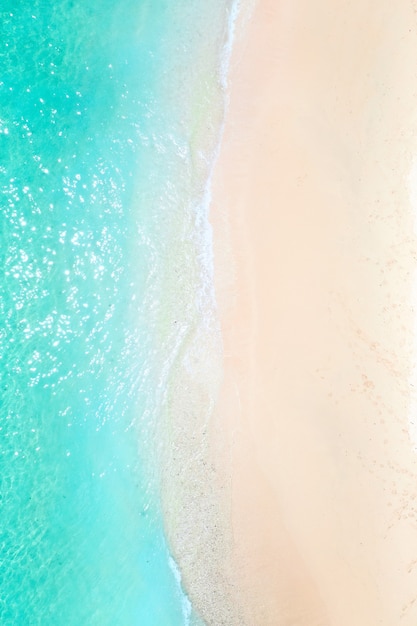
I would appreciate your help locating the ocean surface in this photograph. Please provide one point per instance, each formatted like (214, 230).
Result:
(110, 114)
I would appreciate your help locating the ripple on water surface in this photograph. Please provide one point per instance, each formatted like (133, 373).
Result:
(102, 152)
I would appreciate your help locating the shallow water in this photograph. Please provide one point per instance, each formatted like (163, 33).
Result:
(109, 117)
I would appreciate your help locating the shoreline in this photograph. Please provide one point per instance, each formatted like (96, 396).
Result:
(314, 263)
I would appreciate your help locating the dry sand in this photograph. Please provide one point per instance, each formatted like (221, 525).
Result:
(314, 258)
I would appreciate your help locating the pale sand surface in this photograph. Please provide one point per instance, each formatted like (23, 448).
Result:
(314, 262)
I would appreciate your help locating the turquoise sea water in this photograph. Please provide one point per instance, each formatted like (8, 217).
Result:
(109, 116)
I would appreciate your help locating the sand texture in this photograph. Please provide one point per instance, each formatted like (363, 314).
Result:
(315, 258)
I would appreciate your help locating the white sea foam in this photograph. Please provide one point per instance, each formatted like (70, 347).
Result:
(228, 46)
(203, 226)
(185, 602)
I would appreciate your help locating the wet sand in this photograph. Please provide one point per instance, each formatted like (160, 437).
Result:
(315, 258)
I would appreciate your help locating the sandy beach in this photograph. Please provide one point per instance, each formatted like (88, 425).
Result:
(315, 258)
